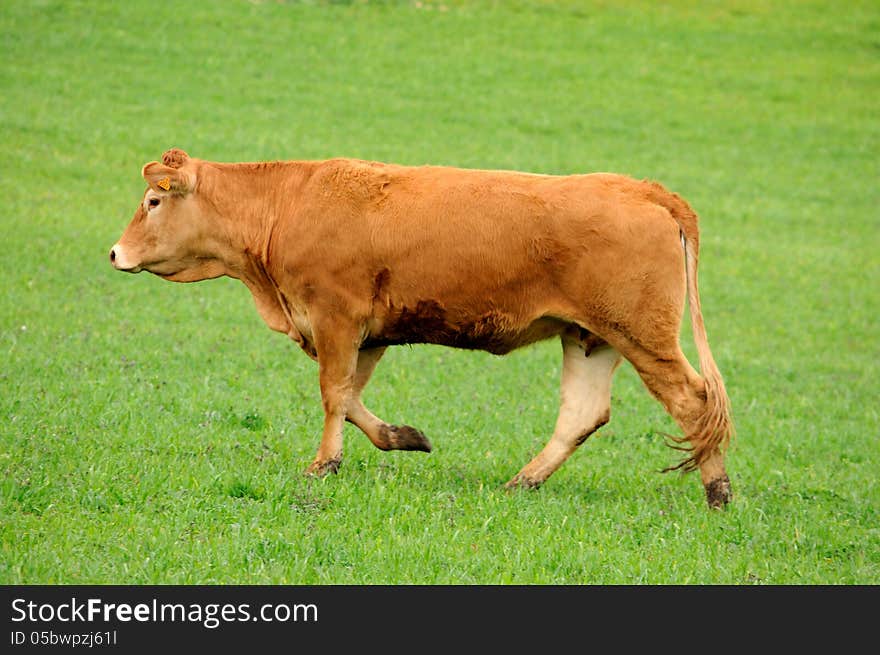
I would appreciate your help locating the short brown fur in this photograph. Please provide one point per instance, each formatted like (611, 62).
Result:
(348, 256)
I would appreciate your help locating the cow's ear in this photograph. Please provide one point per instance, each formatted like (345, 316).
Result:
(163, 178)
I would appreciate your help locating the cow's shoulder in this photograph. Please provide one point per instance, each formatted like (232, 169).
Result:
(347, 168)
(357, 180)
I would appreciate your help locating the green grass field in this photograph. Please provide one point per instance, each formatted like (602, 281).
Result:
(157, 433)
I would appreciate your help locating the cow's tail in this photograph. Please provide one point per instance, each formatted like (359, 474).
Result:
(714, 428)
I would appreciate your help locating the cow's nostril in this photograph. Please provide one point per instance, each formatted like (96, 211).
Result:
(112, 255)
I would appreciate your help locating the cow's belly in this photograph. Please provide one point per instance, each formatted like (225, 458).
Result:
(494, 331)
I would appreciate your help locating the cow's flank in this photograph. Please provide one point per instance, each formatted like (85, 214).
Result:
(348, 257)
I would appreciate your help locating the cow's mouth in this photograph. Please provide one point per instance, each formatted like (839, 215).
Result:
(128, 269)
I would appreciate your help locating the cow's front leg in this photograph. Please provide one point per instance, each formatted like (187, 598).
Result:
(383, 435)
(337, 350)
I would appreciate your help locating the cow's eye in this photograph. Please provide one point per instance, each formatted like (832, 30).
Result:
(153, 202)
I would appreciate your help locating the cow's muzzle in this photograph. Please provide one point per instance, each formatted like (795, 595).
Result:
(120, 262)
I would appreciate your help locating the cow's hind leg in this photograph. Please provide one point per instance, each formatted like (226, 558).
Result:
(383, 435)
(673, 381)
(585, 407)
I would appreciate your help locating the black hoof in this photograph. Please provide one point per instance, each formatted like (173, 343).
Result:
(718, 492)
(404, 437)
(520, 481)
(321, 469)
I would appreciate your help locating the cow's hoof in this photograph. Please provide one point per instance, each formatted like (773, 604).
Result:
(718, 492)
(520, 481)
(319, 469)
(404, 437)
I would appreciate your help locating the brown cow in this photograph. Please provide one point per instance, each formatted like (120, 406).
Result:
(348, 257)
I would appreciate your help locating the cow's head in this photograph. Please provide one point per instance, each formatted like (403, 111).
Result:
(172, 233)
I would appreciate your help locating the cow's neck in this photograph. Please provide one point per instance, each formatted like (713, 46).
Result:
(249, 200)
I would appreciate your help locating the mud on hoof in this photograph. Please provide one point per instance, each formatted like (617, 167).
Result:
(320, 469)
(718, 492)
(404, 437)
(520, 481)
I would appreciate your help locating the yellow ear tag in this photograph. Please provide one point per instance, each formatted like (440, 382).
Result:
(164, 183)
